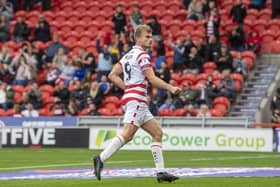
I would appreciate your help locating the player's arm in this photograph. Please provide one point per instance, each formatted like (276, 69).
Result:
(114, 76)
(157, 82)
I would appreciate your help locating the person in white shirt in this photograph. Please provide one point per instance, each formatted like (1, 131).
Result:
(29, 111)
(137, 70)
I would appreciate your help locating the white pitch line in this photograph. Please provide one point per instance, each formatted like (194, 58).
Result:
(132, 161)
(236, 158)
(60, 165)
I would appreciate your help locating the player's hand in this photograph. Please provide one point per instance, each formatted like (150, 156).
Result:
(175, 90)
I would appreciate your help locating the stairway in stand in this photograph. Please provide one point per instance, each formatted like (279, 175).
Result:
(253, 91)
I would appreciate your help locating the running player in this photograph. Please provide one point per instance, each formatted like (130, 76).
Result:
(137, 71)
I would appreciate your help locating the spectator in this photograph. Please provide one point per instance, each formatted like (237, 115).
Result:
(21, 69)
(62, 93)
(236, 38)
(52, 73)
(275, 107)
(136, 17)
(257, 4)
(212, 24)
(96, 94)
(210, 89)
(178, 57)
(21, 31)
(92, 110)
(53, 48)
(213, 48)
(28, 4)
(87, 80)
(30, 111)
(80, 72)
(104, 85)
(238, 12)
(57, 109)
(275, 8)
(194, 62)
(88, 60)
(67, 72)
(72, 107)
(155, 101)
(79, 95)
(187, 97)
(39, 56)
(6, 9)
(5, 61)
(34, 95)
(46, 4)
(4, 29)
(60, 58)
(188, 44)
(105, 59)
(3, 96)
(186, 4)
(195, 10)
(42, 31)
(17, 110)
(203, 95)
(155, 26)
(254, 41)
(160, 50)
(201, 47)
(226, 86)
(204, 112)
(164, 73)
(119, 20)
(239, 65)
(224, 59)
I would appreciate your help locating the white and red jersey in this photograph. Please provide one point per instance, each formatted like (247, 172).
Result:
(133, 64)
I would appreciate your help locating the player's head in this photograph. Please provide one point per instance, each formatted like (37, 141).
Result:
(143, 36)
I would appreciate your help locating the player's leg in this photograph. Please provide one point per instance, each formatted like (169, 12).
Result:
(131, 123)
(153, 128)
(117, 142)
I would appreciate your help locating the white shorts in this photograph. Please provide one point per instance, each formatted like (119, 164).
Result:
(137, 113)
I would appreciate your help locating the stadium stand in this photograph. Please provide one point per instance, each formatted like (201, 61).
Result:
(78, 23)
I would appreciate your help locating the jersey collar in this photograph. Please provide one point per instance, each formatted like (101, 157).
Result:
(138, 47)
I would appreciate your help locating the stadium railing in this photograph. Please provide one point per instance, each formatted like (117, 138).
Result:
(170, 121)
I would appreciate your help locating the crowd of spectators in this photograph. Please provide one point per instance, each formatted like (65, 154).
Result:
(80, 80)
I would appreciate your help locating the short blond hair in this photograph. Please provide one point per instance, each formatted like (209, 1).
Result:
(140, 29)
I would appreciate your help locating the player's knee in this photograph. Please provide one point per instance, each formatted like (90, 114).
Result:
(127, 137)
(158, 135)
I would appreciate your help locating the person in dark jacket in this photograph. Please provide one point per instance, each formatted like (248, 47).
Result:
(42, 31)
(156, 27)
(238, 12)
(212, 48)
(21, 31)
(224, 60)
(275, 8)
(119, 20)
(236, 38)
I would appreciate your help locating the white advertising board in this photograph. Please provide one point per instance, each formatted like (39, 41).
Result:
(219, 139)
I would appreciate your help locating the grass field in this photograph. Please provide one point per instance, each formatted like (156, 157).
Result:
(18, 159)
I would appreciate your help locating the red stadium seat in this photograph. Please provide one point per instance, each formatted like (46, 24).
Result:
(268, 36)
(165, 112)
(237, 77)
(17, 97)
(265, 14)
(179, 112)
(47, 88)
(222, 100)
(188, 77)
(111, 99)
(216, 112)
(105, 111)
(260, 25)
(209, 67)
(117, 112)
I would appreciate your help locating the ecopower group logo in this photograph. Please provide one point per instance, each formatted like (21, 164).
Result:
(104, 136)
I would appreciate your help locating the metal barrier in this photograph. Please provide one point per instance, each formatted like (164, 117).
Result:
(169, 121)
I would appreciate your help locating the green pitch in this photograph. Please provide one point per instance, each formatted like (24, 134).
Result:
(15, 159)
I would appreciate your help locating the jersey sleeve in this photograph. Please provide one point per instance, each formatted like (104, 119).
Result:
(144, 61)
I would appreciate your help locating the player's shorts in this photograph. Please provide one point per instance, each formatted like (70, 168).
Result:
(137, 113)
